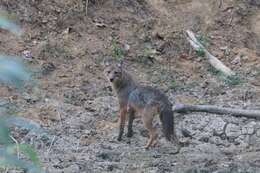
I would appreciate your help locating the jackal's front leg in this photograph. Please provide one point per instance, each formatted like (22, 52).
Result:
(131, 114)
(122, 117)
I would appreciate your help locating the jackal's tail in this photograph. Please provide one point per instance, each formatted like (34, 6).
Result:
(166, 117)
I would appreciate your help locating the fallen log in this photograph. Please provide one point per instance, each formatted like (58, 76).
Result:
(185, 108)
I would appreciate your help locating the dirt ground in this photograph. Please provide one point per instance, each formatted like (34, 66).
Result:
(73, 101)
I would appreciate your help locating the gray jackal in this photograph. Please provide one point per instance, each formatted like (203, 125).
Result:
(135, 99)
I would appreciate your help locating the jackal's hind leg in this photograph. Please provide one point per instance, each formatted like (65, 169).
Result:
(148, 124)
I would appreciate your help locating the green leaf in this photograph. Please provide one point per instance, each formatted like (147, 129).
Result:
(11, 161)
(200, 52)
(13, 71)
(8, 25)
(4, 133)
(26, 150)
(30, 152)
(117, 52)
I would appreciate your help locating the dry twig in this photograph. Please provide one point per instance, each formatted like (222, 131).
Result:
(215, 62)
(17, 146)
(52, 141)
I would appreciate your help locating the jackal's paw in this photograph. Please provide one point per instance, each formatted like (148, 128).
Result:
(129, 134)
(119, 138)
(154, 144)
(146, 147)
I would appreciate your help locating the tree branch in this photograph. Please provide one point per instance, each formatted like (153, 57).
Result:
(215, 62)
(183, 108)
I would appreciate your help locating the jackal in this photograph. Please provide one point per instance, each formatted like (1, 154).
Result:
(135, 99)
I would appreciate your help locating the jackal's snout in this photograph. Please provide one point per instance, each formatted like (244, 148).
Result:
(113, 74)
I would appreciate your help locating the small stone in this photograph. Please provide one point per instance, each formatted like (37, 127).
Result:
(72, 169)
(126, 47)
(100, 24)
(44, 21)
(217, 125)
(186, 133)
(242, 141)
(258, 133)
(244, 130)
(254, 2)
(47, 68)
(216, 140)
(158, 58)
(223, 48)
(236, 61)
(204, 139)
(249, 129)
(27, 54)
(110, 168)
(254, 140)
(233, 131)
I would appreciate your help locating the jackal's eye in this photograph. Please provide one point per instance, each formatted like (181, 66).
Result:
(108, 72)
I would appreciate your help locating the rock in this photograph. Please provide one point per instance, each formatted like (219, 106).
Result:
(72, 169)
(254, 2)
(110, 168)
(186, 132)
(236, 61)
(258, 133)
(108, 156)
(204, 138)
(229, 150)
(242, 9)
(27, 54)
(30, 98)
(233, 131)
(217, 141)
(242, 141)
(249, 129)
(254, 140)
(244, 130)
(47, 68)
(217, 125)
(126, 47)
(223, 48)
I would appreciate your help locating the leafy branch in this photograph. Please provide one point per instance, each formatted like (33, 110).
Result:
(14, 72)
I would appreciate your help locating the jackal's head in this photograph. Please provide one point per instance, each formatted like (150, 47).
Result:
(113, 71)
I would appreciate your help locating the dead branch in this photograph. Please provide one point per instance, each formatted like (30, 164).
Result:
(85, 6)
(52, 141)
(215, 62)
(17, 146)
(184, 108)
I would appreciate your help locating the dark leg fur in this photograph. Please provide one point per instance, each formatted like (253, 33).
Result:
(121, 123)
(130, 123)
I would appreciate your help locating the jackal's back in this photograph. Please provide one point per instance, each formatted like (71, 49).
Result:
(146, 95)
